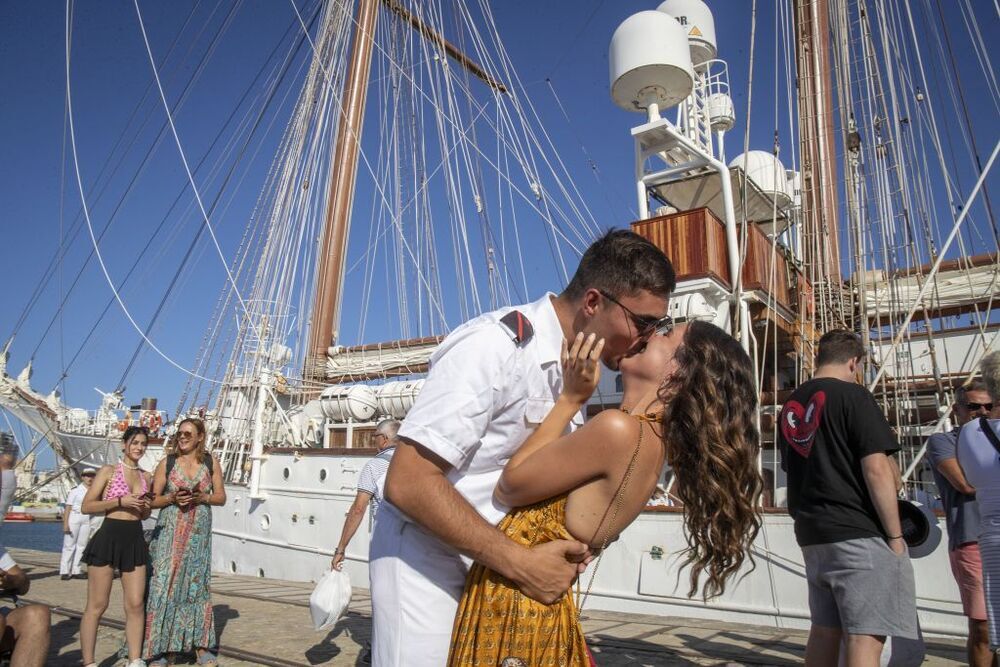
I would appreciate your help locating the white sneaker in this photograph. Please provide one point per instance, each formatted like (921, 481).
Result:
(137, 663)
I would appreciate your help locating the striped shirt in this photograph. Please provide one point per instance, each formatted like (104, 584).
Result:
(372, 478)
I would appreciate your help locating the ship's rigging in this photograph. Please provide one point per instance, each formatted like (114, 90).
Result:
(463, 194)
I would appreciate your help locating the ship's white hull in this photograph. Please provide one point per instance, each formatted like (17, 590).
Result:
(290, 532)
(80, 450)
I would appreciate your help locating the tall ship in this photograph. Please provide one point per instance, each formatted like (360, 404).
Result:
(416, 185)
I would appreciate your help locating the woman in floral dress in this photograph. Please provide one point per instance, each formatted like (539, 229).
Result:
(179, 608)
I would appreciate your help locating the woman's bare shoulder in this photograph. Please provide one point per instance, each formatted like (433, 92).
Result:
(613, 425)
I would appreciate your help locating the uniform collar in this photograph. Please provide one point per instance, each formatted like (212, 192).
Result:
(548, 331)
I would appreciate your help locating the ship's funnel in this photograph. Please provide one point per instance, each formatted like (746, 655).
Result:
(696, 19)
(650, 62)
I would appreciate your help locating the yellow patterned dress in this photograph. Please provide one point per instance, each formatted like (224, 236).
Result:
(494, 621)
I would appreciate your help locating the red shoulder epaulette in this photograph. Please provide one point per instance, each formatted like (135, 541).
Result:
(519, 326)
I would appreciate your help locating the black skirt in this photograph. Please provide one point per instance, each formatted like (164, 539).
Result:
(118, 543)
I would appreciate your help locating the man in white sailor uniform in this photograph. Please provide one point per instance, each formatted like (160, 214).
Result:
(76, 527)
(491, 382)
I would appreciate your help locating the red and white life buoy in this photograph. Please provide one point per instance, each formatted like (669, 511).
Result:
(151, 420)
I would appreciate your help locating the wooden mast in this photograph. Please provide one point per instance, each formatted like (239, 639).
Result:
(344, 169)
(333, 248)
(821, 249)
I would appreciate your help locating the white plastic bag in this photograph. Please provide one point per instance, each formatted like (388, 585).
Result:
(330, 598)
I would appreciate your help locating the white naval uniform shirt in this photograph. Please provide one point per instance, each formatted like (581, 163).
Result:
(74, 500)
(483, 397)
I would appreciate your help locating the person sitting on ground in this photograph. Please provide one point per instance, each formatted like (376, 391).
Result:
(24, 631)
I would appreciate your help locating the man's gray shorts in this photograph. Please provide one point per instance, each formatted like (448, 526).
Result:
(862, 587)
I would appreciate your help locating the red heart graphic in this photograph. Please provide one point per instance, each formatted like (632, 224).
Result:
(798, 424)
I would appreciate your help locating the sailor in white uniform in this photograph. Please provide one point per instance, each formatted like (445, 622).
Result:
(76, 527)
(491, 383)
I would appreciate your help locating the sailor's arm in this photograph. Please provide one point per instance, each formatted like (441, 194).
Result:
(417, 484)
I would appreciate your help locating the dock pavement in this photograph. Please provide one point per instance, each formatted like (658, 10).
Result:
(266, 622)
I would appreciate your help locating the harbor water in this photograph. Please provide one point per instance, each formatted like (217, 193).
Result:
(37, 535)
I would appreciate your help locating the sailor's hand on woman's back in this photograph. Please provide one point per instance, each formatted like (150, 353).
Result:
(547, 571)
(581, 367)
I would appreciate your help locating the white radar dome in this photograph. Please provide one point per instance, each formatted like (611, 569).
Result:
(699, 25)
(768, 173)
(650, 62)
(348, 402)
(721, 112)
(396, 398)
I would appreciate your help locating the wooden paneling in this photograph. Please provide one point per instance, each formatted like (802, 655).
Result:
(695, 242)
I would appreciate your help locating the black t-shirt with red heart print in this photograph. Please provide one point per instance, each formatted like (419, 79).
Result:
(826, 427)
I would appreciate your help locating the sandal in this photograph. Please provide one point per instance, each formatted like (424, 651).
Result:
(208, 659)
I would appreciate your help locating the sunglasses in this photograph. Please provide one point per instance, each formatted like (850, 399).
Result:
(644, 324)
(976, 407)
(185, 435)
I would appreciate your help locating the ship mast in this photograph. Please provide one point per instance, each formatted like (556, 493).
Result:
(333, 247)
(821, 250)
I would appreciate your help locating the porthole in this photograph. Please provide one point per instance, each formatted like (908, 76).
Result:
(322, 475)
(265, 522)
(295, 518)
(312, 520)
(286, 473)
(232, 567)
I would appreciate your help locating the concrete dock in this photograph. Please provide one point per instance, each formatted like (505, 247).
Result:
(266, 622)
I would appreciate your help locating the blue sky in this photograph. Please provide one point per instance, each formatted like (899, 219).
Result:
(563, 42)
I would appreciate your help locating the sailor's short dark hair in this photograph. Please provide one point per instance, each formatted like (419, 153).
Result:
(621, 263)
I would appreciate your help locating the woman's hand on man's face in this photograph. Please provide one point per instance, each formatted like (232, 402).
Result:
(581, 367)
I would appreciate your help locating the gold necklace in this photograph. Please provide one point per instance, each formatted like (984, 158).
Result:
(129, 467)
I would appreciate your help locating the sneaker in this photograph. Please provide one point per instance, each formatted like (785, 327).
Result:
(138, 662)
(64, 577)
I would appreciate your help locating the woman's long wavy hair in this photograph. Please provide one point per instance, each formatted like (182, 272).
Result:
(712, 442)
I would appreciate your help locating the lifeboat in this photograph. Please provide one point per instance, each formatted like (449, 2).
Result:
(18, 517)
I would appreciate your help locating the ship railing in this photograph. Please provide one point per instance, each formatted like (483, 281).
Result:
(102, 423)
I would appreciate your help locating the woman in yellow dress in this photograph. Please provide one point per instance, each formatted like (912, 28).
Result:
(690, 399)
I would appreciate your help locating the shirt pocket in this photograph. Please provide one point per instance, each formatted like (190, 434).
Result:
(535, 411)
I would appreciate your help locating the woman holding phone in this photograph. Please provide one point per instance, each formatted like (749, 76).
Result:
(121, 493)
(179, 614)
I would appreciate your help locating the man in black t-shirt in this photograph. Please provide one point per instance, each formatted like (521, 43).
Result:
(835, 446)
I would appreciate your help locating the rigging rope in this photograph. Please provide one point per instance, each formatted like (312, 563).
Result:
(86, 212)
(187, 171)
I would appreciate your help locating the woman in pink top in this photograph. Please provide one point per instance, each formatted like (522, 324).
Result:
(121, 493)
